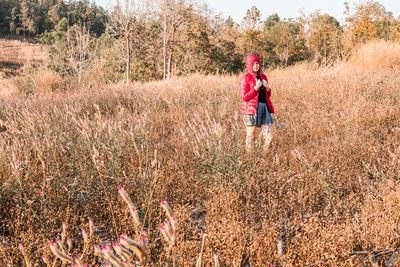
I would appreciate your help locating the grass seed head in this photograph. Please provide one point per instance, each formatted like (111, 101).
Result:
(167, 209)
(216, 260)
(174, 225)
(69, 243)
(85, 236)
(125, 197)
(139, 249)
(167, 226)
(167, 235)
(45, 260)
(109, 255)
(98, 251)
(59, 254)
(144, 242)
(64, 228)
(63, 236)
(26, 258)
(61, 245)
(135, 216)
(91, 227)
(78, 261)
(124, 253)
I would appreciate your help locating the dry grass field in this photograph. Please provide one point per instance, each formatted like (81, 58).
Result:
(14, 54)
(16, 59)
(329, 186)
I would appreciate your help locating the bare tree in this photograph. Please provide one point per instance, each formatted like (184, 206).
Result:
(172, 15)
(123, 21)
(81, 49)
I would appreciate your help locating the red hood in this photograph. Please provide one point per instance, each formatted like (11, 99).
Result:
(249, 64)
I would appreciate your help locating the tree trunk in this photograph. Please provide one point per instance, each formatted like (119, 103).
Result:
(165, 41)
(170, 53)
(128, 59)
(286, 56)
(169, 64)
(80, 68)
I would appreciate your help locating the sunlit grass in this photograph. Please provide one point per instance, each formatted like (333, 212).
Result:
(328, 186)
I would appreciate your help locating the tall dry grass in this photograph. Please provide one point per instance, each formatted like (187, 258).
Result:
(21, 52)
(327, 188)
(7, 88)
(376, 55)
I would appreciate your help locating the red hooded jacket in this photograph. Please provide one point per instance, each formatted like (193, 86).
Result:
(247, 84)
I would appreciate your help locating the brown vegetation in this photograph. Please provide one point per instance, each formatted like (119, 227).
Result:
(328, 187)
(14, 54)
(376, 55)
(17, 59)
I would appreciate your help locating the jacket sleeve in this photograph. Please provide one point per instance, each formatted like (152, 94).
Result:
(268, 93)
(246, 92)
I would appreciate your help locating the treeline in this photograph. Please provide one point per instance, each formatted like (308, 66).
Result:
(141, 40)
(30, 18)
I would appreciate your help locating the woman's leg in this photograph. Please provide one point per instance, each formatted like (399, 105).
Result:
(266, 134)
(250, 136)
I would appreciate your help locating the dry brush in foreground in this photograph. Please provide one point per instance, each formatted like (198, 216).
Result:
(329, 186)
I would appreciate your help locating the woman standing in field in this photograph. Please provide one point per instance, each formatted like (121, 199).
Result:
(256, 103)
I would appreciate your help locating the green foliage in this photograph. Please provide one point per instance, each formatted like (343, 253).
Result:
(112, 67)
(30, 17)
(324, 40)
(61, 26)
(57, 45)
(226, 59)
(287, 43)
(182, 38)
(271, 21)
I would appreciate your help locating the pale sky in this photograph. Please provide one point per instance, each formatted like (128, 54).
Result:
(285, 8)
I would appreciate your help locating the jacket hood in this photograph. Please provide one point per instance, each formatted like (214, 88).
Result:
(249, 64)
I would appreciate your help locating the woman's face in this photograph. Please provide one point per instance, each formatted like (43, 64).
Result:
(256, 67)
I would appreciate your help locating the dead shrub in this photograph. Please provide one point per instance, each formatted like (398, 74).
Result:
(47, 81)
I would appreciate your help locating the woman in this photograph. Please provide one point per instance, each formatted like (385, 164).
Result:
(256, 103)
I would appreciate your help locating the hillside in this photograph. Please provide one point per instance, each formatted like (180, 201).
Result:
(15, 54)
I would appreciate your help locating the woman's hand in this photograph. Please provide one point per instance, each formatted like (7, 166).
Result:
(258, 85)
(266, 85)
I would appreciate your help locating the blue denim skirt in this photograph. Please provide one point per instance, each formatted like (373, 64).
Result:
(262, 117)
